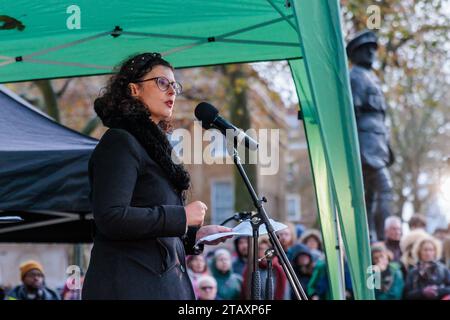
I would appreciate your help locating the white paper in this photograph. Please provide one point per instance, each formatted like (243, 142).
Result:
(244, 229)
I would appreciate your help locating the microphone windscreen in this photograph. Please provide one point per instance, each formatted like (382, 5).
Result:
(206, 113)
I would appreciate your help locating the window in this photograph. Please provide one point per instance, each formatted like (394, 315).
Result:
(222, 201)
(293, 207)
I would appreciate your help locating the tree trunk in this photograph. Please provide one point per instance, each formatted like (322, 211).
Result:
(50, 98)
(240, 117)
(91, 125)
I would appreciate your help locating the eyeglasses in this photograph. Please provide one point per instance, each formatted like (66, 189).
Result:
(163, 84)
(206, 288)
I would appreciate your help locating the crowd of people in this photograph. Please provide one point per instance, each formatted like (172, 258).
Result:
(415, 265)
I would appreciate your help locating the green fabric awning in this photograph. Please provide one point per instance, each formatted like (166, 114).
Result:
(38, 41)
(188, 33)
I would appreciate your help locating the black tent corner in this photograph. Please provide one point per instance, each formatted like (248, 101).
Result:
(43, 175)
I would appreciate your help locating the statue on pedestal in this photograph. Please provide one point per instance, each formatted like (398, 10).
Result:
(370, 110)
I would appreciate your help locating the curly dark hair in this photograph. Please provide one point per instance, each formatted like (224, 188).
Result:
(117, 108)
(116, 101)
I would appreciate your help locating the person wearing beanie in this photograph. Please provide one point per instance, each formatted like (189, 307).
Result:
(33, 284)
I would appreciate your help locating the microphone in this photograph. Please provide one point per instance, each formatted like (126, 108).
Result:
(210, 118)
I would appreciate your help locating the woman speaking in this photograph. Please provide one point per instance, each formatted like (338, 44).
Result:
(143, 229)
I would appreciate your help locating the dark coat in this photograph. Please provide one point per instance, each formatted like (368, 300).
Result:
(303, 273)
(420, 277)
(140, 226)
(21, 293)
(392, 283)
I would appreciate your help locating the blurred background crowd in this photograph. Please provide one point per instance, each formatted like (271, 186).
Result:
(410, 265)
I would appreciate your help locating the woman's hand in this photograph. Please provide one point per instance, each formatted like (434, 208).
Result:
(212, 229)
(195, 213)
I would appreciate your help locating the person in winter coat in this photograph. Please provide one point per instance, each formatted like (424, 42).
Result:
(229, 284)
(429, 279)
(143, 227)
(391, 282)
(408, 260)
(319, 287)
(241, 249)
(33, 287)
(303, 265)
(196, 267)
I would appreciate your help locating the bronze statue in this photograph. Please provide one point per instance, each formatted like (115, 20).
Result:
(370, 110)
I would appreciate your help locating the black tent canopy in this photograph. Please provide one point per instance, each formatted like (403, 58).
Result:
(43, 175)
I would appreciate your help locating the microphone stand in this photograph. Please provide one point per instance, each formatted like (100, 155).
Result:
(270, 253)
(238, 216)
(256, 275)
(258, 219)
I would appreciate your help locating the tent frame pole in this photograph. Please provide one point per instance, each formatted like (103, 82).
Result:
(64, 217)
(115, 33)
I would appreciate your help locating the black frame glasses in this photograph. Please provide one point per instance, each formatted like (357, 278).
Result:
(177, 87)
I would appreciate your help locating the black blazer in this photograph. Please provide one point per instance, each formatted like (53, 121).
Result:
(140, 226)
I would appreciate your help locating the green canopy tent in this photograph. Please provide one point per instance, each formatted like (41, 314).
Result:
(56, 38)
